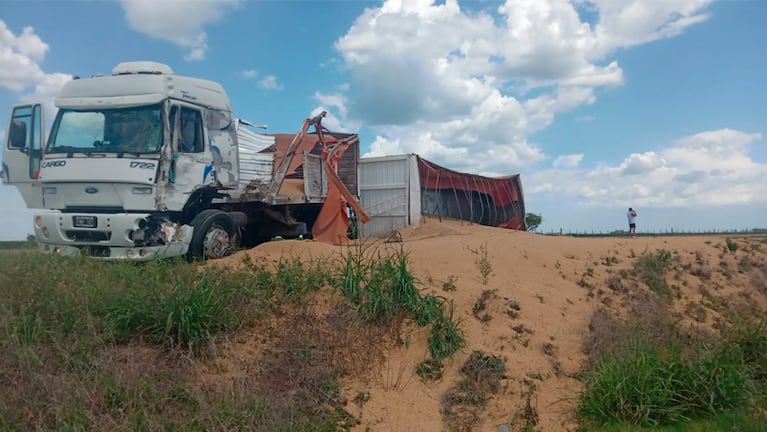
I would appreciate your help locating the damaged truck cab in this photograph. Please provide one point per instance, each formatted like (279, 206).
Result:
(139, 164)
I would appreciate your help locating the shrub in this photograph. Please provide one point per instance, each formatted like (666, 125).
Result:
(480, 306)
(651, 269)
(646, 373)
(383, 289)
(449, 284)
(186, 315)
(446, 337)
(295, 277)
(481, 377)
(649, 388)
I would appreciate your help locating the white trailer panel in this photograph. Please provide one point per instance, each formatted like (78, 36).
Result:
(390, 192)
(255, 167)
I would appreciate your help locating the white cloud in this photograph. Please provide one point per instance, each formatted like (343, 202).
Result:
(336, 101)
(625, 23)
(19, 58)
(337, 119)
(20, 70)
(567, 161)
(707, 169)
(163, 20)
(45, 91)
(640, 164)
(331, 122)
(384, 147)
(249, 73)
(269, 82)
(446, 83)
(725, 149)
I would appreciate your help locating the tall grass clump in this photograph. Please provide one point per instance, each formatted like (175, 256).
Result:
(49, 300)
(651, 388)
(353, 272)
(651, 269)
(445, 337)
(186, 315)
(295, 277)
(383, 290)
(389, 289)
(749, 336)
(732, 245)
(378, 283)
(651, 382)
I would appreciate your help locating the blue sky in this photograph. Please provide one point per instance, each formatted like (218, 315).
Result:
(599, 105)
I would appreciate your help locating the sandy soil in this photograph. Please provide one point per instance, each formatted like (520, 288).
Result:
(554, 284)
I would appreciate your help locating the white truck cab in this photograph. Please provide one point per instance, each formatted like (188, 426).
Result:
(137, 165)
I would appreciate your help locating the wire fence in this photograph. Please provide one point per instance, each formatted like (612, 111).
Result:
(666, 232)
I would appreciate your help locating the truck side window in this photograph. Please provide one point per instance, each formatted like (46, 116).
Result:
(190, 139)
(17, 134)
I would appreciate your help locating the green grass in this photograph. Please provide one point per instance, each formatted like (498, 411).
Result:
(732, 245)
(94, 345)
(188, 314)
(677, 383)
(651, 269)
(445, 337)
(295, 277)
(382, 288)
(16, 245)
(648, 388)
(741, 420)
(383, 291)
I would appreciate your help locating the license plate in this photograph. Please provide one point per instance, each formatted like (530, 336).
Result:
(85, 221)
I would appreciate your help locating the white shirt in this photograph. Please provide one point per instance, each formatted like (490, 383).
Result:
(632, 216)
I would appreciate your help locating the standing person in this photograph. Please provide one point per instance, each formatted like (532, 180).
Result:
(632, 214)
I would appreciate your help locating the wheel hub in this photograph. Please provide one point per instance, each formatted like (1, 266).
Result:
(217, 243)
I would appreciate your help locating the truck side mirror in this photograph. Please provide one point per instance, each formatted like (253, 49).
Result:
(17, 135)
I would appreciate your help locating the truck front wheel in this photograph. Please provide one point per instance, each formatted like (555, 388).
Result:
(214, 235)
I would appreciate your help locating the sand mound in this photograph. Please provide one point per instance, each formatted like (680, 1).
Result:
(540, 294)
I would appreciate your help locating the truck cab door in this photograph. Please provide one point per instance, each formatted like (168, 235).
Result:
(190, 155)
(22, 153)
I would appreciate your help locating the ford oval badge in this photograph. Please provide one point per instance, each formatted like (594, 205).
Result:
(91, 190)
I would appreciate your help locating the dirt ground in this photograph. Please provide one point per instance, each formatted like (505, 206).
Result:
(544, 290)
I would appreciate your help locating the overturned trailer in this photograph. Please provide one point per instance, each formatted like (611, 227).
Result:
(396, 191)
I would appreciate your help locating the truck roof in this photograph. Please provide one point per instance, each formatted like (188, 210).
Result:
(140, 88)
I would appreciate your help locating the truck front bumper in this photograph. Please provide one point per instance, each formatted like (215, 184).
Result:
(118, 236)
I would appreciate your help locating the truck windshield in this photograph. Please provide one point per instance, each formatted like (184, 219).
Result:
(124, 130)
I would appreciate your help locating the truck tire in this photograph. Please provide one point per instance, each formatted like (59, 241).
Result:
(214, 235)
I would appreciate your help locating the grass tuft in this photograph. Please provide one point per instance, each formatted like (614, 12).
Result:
(651, 269)
(384, 292)
(481, 378)
(647, 373)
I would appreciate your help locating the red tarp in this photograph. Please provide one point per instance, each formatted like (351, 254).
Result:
(496, 201)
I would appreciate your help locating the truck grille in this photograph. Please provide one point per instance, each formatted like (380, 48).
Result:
(88, 236)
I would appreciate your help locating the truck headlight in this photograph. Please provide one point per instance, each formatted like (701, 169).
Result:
(142, 190)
